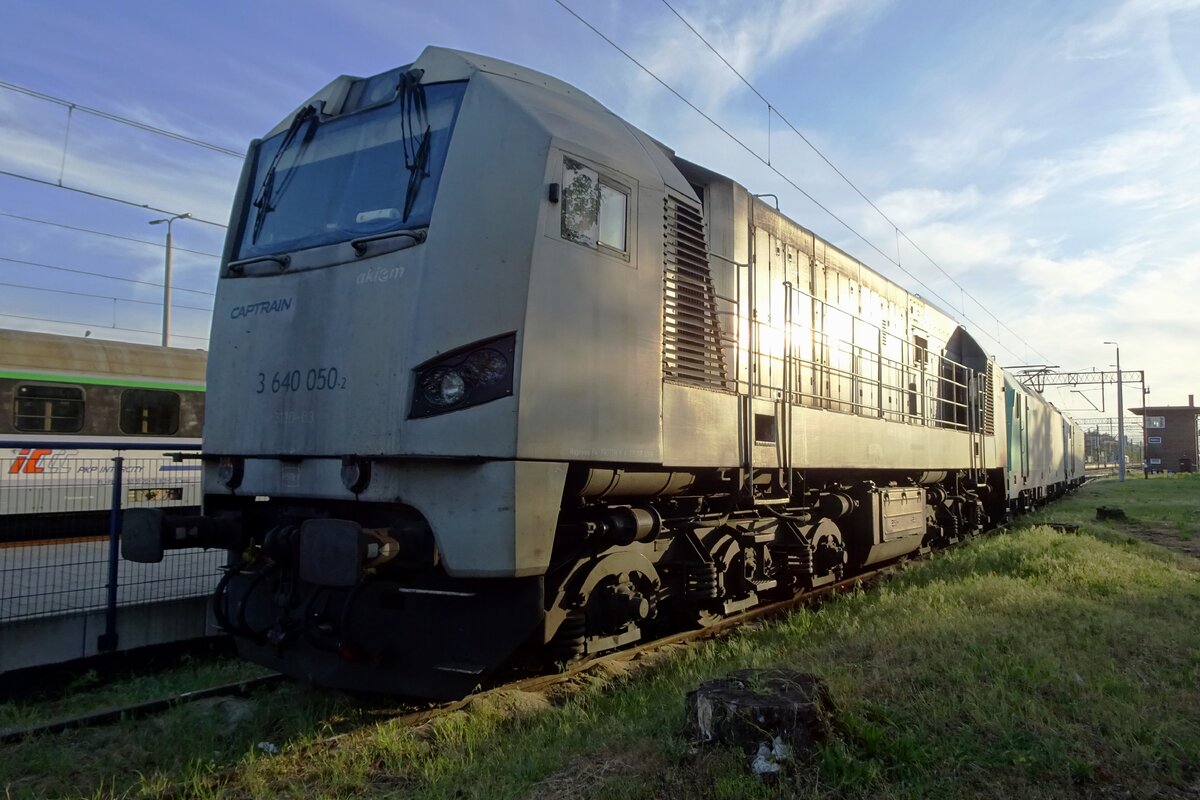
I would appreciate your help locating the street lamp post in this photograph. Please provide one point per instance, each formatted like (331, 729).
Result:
(1145, 436)
(166, 323)
(1120, 418)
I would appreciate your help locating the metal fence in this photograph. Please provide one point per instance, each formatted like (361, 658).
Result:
(60, 518)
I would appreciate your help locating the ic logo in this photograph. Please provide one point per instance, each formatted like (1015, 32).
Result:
(27, 462)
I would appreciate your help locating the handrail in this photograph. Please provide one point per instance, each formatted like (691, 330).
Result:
(928, 389)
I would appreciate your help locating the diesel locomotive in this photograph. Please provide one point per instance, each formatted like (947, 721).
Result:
(492, 370)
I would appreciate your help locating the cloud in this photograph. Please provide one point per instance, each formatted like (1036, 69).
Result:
(959, 248)
(1041, 183)
(109, 159)
(1143, 194)
(1057, 194)
(1146, 314)
(33, 135)
(908, 207)
(1115, 34)
(753, 37)
(1057, 278)
(1158, 157)
(983, 137)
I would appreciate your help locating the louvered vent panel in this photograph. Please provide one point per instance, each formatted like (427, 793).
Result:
(989, 411)
(692, 351)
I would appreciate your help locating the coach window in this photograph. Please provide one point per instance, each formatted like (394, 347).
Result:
(595, 210)
(149, 412)
(38, 408)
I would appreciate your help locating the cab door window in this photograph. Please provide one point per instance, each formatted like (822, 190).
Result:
(595, 209)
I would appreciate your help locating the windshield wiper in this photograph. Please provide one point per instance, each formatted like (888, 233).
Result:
(416, 174)
(363, 243)
(265, 197)
(413, 114)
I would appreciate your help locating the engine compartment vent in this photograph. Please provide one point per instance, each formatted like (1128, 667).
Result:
(692, 349)
(989, 402)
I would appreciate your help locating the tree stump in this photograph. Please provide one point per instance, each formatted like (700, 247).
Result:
(775, 712)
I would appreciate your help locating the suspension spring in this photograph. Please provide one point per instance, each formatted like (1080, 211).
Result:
(700, 581)
(568, 641)
(798, 561)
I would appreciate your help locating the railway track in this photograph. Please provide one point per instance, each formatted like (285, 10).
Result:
(135, 710)
(543, 683)
(416, 714)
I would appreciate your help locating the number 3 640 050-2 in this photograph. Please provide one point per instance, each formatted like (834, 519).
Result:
(316, 379)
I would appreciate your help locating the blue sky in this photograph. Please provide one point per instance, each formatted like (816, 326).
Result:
(1046, 155)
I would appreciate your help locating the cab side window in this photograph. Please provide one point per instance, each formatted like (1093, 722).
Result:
(595, 209)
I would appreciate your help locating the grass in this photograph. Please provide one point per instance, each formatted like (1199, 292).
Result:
(90, 691)
(178, 748)
(1167, 504)
(1036, 664)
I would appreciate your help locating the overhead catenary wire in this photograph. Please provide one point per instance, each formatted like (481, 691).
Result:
(101, 275)
(102, 296)
(174, 135)
(159, 244)
(733, 137)
(71, 108)
(767, 163)
(749, 150)
(771, 107)
(108, 197)
(142, 126)
(97, 325)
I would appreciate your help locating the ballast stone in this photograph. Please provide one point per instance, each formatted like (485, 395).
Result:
(768, 713)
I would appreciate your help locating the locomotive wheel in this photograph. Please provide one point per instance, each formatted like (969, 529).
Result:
(735, 568)
(603, 604)
(829, 556)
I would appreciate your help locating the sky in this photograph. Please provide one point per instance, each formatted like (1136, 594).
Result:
(1032, 168)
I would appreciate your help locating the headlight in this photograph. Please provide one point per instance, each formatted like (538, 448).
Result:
(356, 474)
(468, 376)
(444, 388)
(231, 470)
(486, 366)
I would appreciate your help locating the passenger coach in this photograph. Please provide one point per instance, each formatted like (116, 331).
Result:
(68, 405)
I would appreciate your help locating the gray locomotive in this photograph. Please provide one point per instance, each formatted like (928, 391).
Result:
(490, 369)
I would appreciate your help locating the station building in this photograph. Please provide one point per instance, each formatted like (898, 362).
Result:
(1172, 443)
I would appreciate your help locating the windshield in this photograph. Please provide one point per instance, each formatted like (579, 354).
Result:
(327, 181)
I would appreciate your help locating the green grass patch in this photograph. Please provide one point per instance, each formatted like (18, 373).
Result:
(1036, 664)
(1168, 504)
(90, 691)
(175, 752)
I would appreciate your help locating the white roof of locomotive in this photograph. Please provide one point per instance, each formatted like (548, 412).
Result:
(576, 116)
